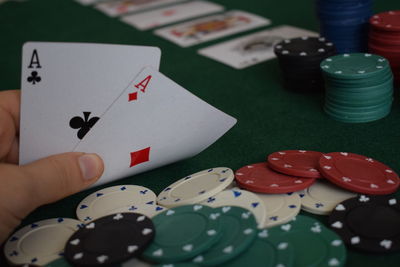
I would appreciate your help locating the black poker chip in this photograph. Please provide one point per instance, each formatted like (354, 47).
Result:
(306, 47)
(368, 223)
(299, 60)
(110, 240)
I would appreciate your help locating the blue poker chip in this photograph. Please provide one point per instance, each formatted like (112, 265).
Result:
(345, 23)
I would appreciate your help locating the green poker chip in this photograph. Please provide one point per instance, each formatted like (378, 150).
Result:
(313, 243)
(182, 233)
(363, 116)
(359, 87)
(364, 90)
(360, 83)
(354, 66)
(238, 233)
(363, 110)
(61, 262)
(266, 251)
(179, 264)
(346, 103)
(360, 114)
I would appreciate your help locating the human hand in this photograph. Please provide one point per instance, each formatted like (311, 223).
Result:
(24, 188)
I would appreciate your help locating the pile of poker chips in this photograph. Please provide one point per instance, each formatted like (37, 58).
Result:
(345, 23)
(359, 87)
(299, 59)
(384, 38)
(205, 219)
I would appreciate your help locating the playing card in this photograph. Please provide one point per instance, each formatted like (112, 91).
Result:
(154, 122)
(211, 27)
(254, 48)
(167, 15)
(67, 86)
(120, 7)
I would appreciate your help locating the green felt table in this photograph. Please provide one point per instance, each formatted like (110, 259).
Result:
(270, 118)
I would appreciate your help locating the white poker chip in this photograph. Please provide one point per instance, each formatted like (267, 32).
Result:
(322, 197)
(109, 200)
(281, 208)
(240, 198)
(148, 209)
(41, 242)
(195, 188)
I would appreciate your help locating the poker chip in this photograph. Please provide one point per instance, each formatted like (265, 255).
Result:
(354, 66)
(27, 246)
(178, 264)
(345, 23)
(296, 162)
(384, 38)
(359, 87)
(237, 234)
(280, 208)
(110, 240)
(387, 21)
(109, 200)
(240, 198)
(148, 209)
(260, 178)
(61, 262)
(368, 223)
(299, 59)
(196, 187)
(135, 262)
(182, 233)
(322, 197)
(266, 250)
(313, 243)
(358, 173)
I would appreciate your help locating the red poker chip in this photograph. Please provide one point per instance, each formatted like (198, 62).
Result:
(358, 173)
(388, 21)
(296, 162)
(260, 178)
(392, 50)
(385, 42)
(384, 38)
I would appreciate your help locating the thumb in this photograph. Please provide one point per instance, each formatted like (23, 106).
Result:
(59, 176)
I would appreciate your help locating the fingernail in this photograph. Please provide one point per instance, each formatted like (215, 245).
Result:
(91, 166)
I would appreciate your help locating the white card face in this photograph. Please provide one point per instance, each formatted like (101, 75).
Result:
(254, 48)
(167, 15)
(120, 7)
(153, 123)
(62, 81)
(211, 27)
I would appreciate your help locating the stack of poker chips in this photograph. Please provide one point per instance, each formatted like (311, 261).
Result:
(345, 23)
(299, 59)
(384, 39)
(359, 87)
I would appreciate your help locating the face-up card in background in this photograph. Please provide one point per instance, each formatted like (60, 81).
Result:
(254, 48)
(153, 123)
(211, 27)
(120, 7)
(66, 86)
(167, 15)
